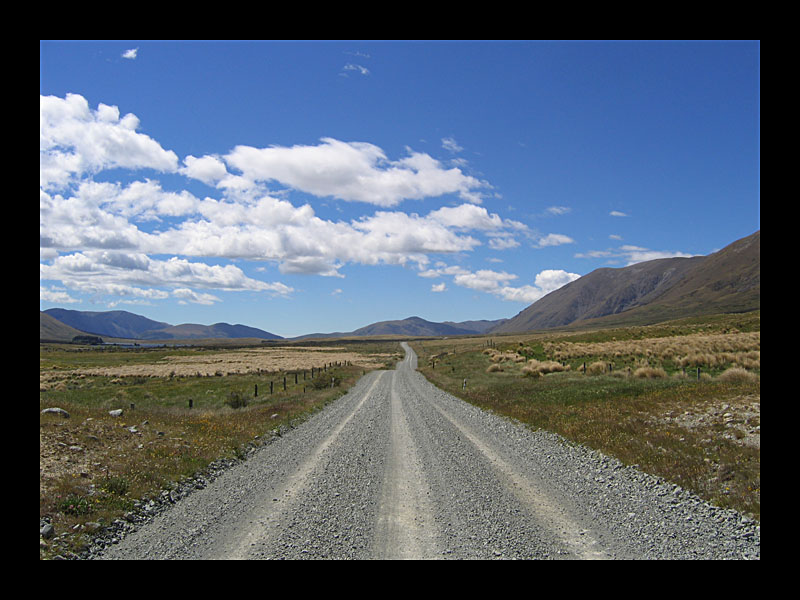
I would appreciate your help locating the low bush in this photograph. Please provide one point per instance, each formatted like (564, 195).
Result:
(649, 373)
(737, 374)
(236, 400)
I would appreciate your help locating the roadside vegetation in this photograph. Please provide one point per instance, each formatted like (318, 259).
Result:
(95, 464)
(680, 399)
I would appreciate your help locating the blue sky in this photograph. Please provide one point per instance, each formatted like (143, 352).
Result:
(306, 187)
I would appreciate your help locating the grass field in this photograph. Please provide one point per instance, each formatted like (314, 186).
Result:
(94, 466)
(633, 393)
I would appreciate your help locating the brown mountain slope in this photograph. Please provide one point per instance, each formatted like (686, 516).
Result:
(648, 292)
(54, 330)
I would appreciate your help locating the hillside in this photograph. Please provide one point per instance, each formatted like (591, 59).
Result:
(413, 326)
(113, 323)
(126, 325)
(53, 330)
(217, 330)
(647, 292)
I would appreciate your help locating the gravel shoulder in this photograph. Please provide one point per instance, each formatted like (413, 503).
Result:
(398, 469)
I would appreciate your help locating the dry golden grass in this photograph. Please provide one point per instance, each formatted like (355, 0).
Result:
(93, 466)
(700, 349)
(739, 374)
(231, 362)
(649, 373)
(639, 398)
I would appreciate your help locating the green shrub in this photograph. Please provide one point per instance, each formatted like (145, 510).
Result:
(236, 400)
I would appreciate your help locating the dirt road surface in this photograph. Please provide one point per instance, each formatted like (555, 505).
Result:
(398, 469)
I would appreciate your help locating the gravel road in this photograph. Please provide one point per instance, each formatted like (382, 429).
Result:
(398, 469)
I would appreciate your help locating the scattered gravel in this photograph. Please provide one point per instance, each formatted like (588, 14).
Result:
(400, 469)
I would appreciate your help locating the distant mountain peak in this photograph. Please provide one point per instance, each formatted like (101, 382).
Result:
(726, 281)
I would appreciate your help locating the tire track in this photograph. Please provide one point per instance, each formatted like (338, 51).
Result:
(296, 484)
(405, 527)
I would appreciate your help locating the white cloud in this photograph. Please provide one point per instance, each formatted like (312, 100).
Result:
(617, 213)
(353, 171)
(356, 67)
(75, 140)
(185, 295)
(438, 287)
(138, 275)
(469, 216)
(503, 243)
(554, 239)
(497, 282)
(558, 210)
(130, 54)
(100, 236)
(630, 255)
(55, 295)
(450, 144)
(208, 169)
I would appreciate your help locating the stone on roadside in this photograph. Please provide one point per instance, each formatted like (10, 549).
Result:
(56, 411)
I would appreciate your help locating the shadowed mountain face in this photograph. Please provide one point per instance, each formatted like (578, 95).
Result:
(122, 324)
(414, 326)
(726, 281)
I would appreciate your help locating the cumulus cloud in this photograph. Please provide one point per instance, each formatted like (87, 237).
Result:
(130, 54)
(139, 276)
(102, 237)
(55, 295)
(554, 239)
(75, 140)
(208, 169)
(497, 282)
(353, 171)
(503, 243)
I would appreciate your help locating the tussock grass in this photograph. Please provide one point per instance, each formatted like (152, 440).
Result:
(738, 374)
(649, 373)
(636, 399)
(158, 439)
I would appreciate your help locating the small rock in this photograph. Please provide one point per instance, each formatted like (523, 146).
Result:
(115, 413)
(47, 531)
(56, 411)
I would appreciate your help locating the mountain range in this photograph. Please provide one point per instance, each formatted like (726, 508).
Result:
(648, 292)
(125, 325)
(414, 326)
